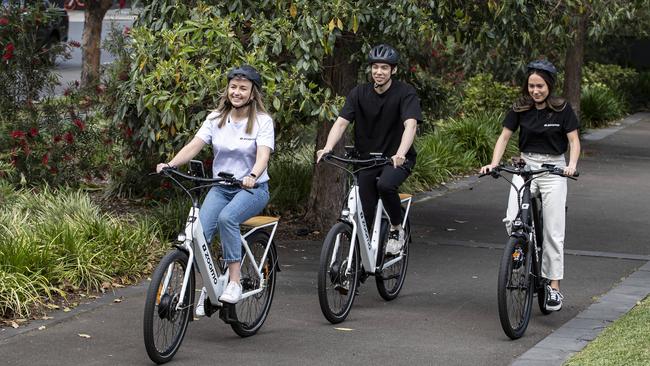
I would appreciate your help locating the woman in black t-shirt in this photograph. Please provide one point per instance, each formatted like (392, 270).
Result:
(547, 127)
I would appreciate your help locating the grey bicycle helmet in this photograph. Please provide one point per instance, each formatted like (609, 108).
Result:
(247, 72)
(383, 53)
(543, 65)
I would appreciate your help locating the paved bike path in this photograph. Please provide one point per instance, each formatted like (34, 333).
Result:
(447, 312)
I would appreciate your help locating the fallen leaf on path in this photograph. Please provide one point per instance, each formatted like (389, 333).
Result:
(14, 324)
(344, 329)
(83, 335)
(450, 229)
(118, 285)
(66, 309)
(460, 221)
(53, 306)
(118, 300)
(42, 327)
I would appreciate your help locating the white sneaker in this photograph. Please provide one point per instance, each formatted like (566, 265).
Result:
(395, 241)
(200, 309)
(232, 293)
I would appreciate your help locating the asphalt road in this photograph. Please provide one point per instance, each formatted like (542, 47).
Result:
(447, 311)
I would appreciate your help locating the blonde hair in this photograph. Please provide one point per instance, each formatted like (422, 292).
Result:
(255, 106)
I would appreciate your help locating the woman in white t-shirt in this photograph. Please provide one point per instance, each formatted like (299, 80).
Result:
(242, 137)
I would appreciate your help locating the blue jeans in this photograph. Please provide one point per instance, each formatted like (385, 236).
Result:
(225, 208)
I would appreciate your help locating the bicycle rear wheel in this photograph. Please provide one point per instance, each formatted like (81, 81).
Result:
(253, 310)
(164, 324)
(515, 288)
(391, 279)
(337, 286)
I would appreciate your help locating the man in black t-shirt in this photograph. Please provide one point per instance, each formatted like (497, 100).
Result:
(385, 113)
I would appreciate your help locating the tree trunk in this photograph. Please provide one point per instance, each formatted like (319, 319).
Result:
(91, 40)
(328, 183)
(575, 55)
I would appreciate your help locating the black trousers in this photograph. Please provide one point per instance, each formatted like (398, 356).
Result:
(382, 182)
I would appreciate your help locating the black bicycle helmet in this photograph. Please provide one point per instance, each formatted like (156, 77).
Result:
(543, 65)
(383, 53)
(247, 72)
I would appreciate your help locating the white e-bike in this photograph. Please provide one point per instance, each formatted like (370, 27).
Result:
(170, 298)
(349, 254)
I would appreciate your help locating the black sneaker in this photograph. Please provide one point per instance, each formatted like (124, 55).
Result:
(553, 299)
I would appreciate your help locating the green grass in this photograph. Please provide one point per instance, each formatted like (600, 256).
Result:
(57, 241)
(625, 342)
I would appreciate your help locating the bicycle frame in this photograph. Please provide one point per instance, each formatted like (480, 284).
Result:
(193, 241)
(353, 214)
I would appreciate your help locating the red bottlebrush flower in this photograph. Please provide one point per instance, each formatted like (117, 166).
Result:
(10, 47)
(17, 134)
(33, 132)
(66, 92)
(414, 68)
(4, 21)
(77, 122)
(54, 170)
(129, 132)
(434, 53)
(74, 44)
(126, 31)
(9, 52)
(165, 184)
(76, 83)
(122, 3)
(45, 159)
(57, 138)
(68, 137)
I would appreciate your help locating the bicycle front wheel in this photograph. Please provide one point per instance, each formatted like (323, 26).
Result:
(253, 310)
(391, 279)
(165, 322)
(515, 292)
(336, 285)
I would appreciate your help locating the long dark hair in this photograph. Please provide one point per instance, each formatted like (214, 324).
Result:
(526, 102)
(255, 105)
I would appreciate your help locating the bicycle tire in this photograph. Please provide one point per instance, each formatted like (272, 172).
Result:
(514, 294)
(253, 310)
(336, 289)
(391, 280)
(165, 327)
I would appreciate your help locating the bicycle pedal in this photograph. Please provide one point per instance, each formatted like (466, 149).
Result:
(210, 308)
(228, 314)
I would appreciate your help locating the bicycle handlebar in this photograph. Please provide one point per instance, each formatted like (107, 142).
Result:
(377, 160)
(223, 178)
(546, 168)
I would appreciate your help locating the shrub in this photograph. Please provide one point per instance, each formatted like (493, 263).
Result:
(26, 68)
(599, 105)
(481, 93)
(291, 173)
(439, 159)
(57, 141)
(618, 79)
(57, 241)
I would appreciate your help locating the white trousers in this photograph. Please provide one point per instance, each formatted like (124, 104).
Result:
(553, 191)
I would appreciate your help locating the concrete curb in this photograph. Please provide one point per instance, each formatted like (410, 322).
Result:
(60, 316)
(601, 133)
(575, 334)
